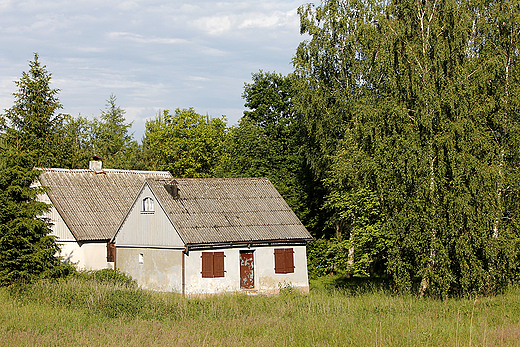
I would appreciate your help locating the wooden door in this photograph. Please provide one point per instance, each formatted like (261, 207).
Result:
(247, 273)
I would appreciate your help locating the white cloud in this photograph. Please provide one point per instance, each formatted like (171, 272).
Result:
(92, 49)
(215, 25)
(197, 78)
(144, 39)
(128, 5)
(152, 54)
(189, 8)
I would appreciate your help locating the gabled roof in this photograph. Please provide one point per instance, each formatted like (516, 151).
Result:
(228, 210)
(91, 203)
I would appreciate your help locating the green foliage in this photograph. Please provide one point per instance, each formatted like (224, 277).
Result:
(108, 276)
(410, 121)
(328, 257)
(268, 99)
(76, 142)
(110, 137)
(357, 220)
(266, 143)
(60, 140)
(185, 143)
(26, 248)
(31, 123)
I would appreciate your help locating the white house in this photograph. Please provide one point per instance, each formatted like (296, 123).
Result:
(87, 208)
(204, 236)
(193, 236)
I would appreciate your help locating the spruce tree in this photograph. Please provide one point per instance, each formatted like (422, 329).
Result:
(32, 124)
(26, 248)
(111, 138)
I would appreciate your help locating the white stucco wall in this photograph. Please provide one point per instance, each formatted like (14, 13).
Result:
(86, 256)
(153, 269)
(266, 280)
(161, 269)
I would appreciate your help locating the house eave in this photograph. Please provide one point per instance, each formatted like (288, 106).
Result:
(247, 244)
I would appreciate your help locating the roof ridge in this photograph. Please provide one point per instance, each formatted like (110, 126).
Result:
(222, 178)
(54, 169)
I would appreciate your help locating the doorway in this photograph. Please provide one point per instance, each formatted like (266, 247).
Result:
(247, 272)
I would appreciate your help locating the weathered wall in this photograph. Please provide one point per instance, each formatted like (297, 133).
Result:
(59, 228)
(147, 228)
(87, 256)
(154, 269)
(265, 279)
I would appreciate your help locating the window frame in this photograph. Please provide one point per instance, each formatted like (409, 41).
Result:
(148, 205)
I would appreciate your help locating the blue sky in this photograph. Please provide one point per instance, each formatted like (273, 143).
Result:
(152, 55)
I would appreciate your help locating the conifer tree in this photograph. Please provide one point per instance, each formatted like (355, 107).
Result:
(110, 136)
(26, 248)
(32, 124)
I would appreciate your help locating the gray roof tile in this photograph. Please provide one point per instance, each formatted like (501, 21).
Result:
(93, 204)
(223, 210)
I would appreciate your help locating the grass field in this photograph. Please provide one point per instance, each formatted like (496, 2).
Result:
(88, 313)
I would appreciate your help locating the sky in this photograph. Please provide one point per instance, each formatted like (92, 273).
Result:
(152, 55)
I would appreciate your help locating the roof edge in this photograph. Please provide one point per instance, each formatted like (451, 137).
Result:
(247, 244)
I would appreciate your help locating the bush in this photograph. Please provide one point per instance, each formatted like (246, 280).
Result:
(115, 277)
(108, 276)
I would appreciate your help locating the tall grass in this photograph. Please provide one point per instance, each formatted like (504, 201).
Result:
(92, 313)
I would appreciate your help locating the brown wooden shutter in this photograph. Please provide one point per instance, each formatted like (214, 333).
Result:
(289, 260)
(207, 264)
(111, 252)
(279, 261)
(218, 264)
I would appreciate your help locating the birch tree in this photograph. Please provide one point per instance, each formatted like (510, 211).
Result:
(409, 96)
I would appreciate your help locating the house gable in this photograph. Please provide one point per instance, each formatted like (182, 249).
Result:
(92, 203)
(147, 225)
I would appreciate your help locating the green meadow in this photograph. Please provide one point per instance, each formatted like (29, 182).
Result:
(77, 312)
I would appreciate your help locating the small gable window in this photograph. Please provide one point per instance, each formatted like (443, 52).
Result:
(148, 205)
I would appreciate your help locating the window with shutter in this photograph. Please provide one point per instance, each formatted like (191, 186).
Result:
(213, 264)
(111, 252)
(283, 260)
(218, 264)
(279, 261)
(289, 260)
(207, 264)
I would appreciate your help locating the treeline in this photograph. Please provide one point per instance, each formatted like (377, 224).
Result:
(395, 140)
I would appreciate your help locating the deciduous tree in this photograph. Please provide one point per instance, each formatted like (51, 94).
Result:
(406, 101)
(185, 143)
